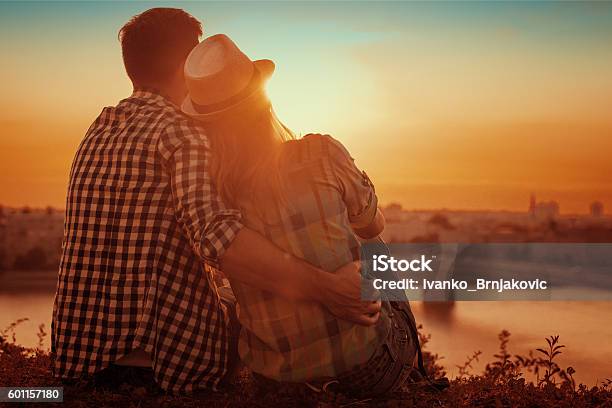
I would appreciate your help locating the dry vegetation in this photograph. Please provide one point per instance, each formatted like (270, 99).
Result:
(502, 384)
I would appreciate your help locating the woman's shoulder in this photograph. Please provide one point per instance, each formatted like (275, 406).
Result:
(316, 146)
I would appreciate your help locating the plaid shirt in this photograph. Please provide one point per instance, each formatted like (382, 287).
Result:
(324, 196)
(142, 221)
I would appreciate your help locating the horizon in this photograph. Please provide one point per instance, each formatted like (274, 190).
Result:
(383, 205)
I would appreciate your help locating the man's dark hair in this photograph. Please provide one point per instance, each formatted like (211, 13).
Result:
(155, 44)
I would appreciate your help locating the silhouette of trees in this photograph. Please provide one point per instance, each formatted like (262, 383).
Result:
(3, 265)
(442, 221)
(33, 259)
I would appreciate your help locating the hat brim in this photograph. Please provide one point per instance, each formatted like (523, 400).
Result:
(264, 66)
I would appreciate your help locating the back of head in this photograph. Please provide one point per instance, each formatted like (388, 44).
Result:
(156, 43)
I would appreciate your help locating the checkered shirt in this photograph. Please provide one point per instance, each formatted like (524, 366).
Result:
(142, 223)
(324, 196)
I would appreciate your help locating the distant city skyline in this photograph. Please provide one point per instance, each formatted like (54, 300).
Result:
(595, 206)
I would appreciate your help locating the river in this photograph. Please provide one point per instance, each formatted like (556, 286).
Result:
(457, 330)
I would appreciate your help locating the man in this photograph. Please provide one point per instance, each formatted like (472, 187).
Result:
(144, 225)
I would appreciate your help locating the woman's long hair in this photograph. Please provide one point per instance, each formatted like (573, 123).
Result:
(246, 152)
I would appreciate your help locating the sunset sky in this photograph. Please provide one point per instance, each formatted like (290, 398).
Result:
(468, 105)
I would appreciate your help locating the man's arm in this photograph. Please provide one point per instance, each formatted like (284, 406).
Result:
(217, 235)
(255, 261)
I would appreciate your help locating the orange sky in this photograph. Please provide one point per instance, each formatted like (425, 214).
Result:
(468, 105)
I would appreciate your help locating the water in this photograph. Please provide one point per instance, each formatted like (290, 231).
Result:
(584, 327)
(457, 329)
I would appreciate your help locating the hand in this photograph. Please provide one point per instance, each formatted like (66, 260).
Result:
(341, 294)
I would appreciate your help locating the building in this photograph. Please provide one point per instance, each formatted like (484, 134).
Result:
(597, 209)
(543, 210)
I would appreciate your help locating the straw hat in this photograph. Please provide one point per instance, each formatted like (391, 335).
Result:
(221, 79)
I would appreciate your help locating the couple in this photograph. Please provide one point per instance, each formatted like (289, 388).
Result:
(194, 173)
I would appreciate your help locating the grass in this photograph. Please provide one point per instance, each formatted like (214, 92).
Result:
(501, 384)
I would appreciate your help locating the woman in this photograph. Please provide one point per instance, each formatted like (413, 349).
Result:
(308, 197)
